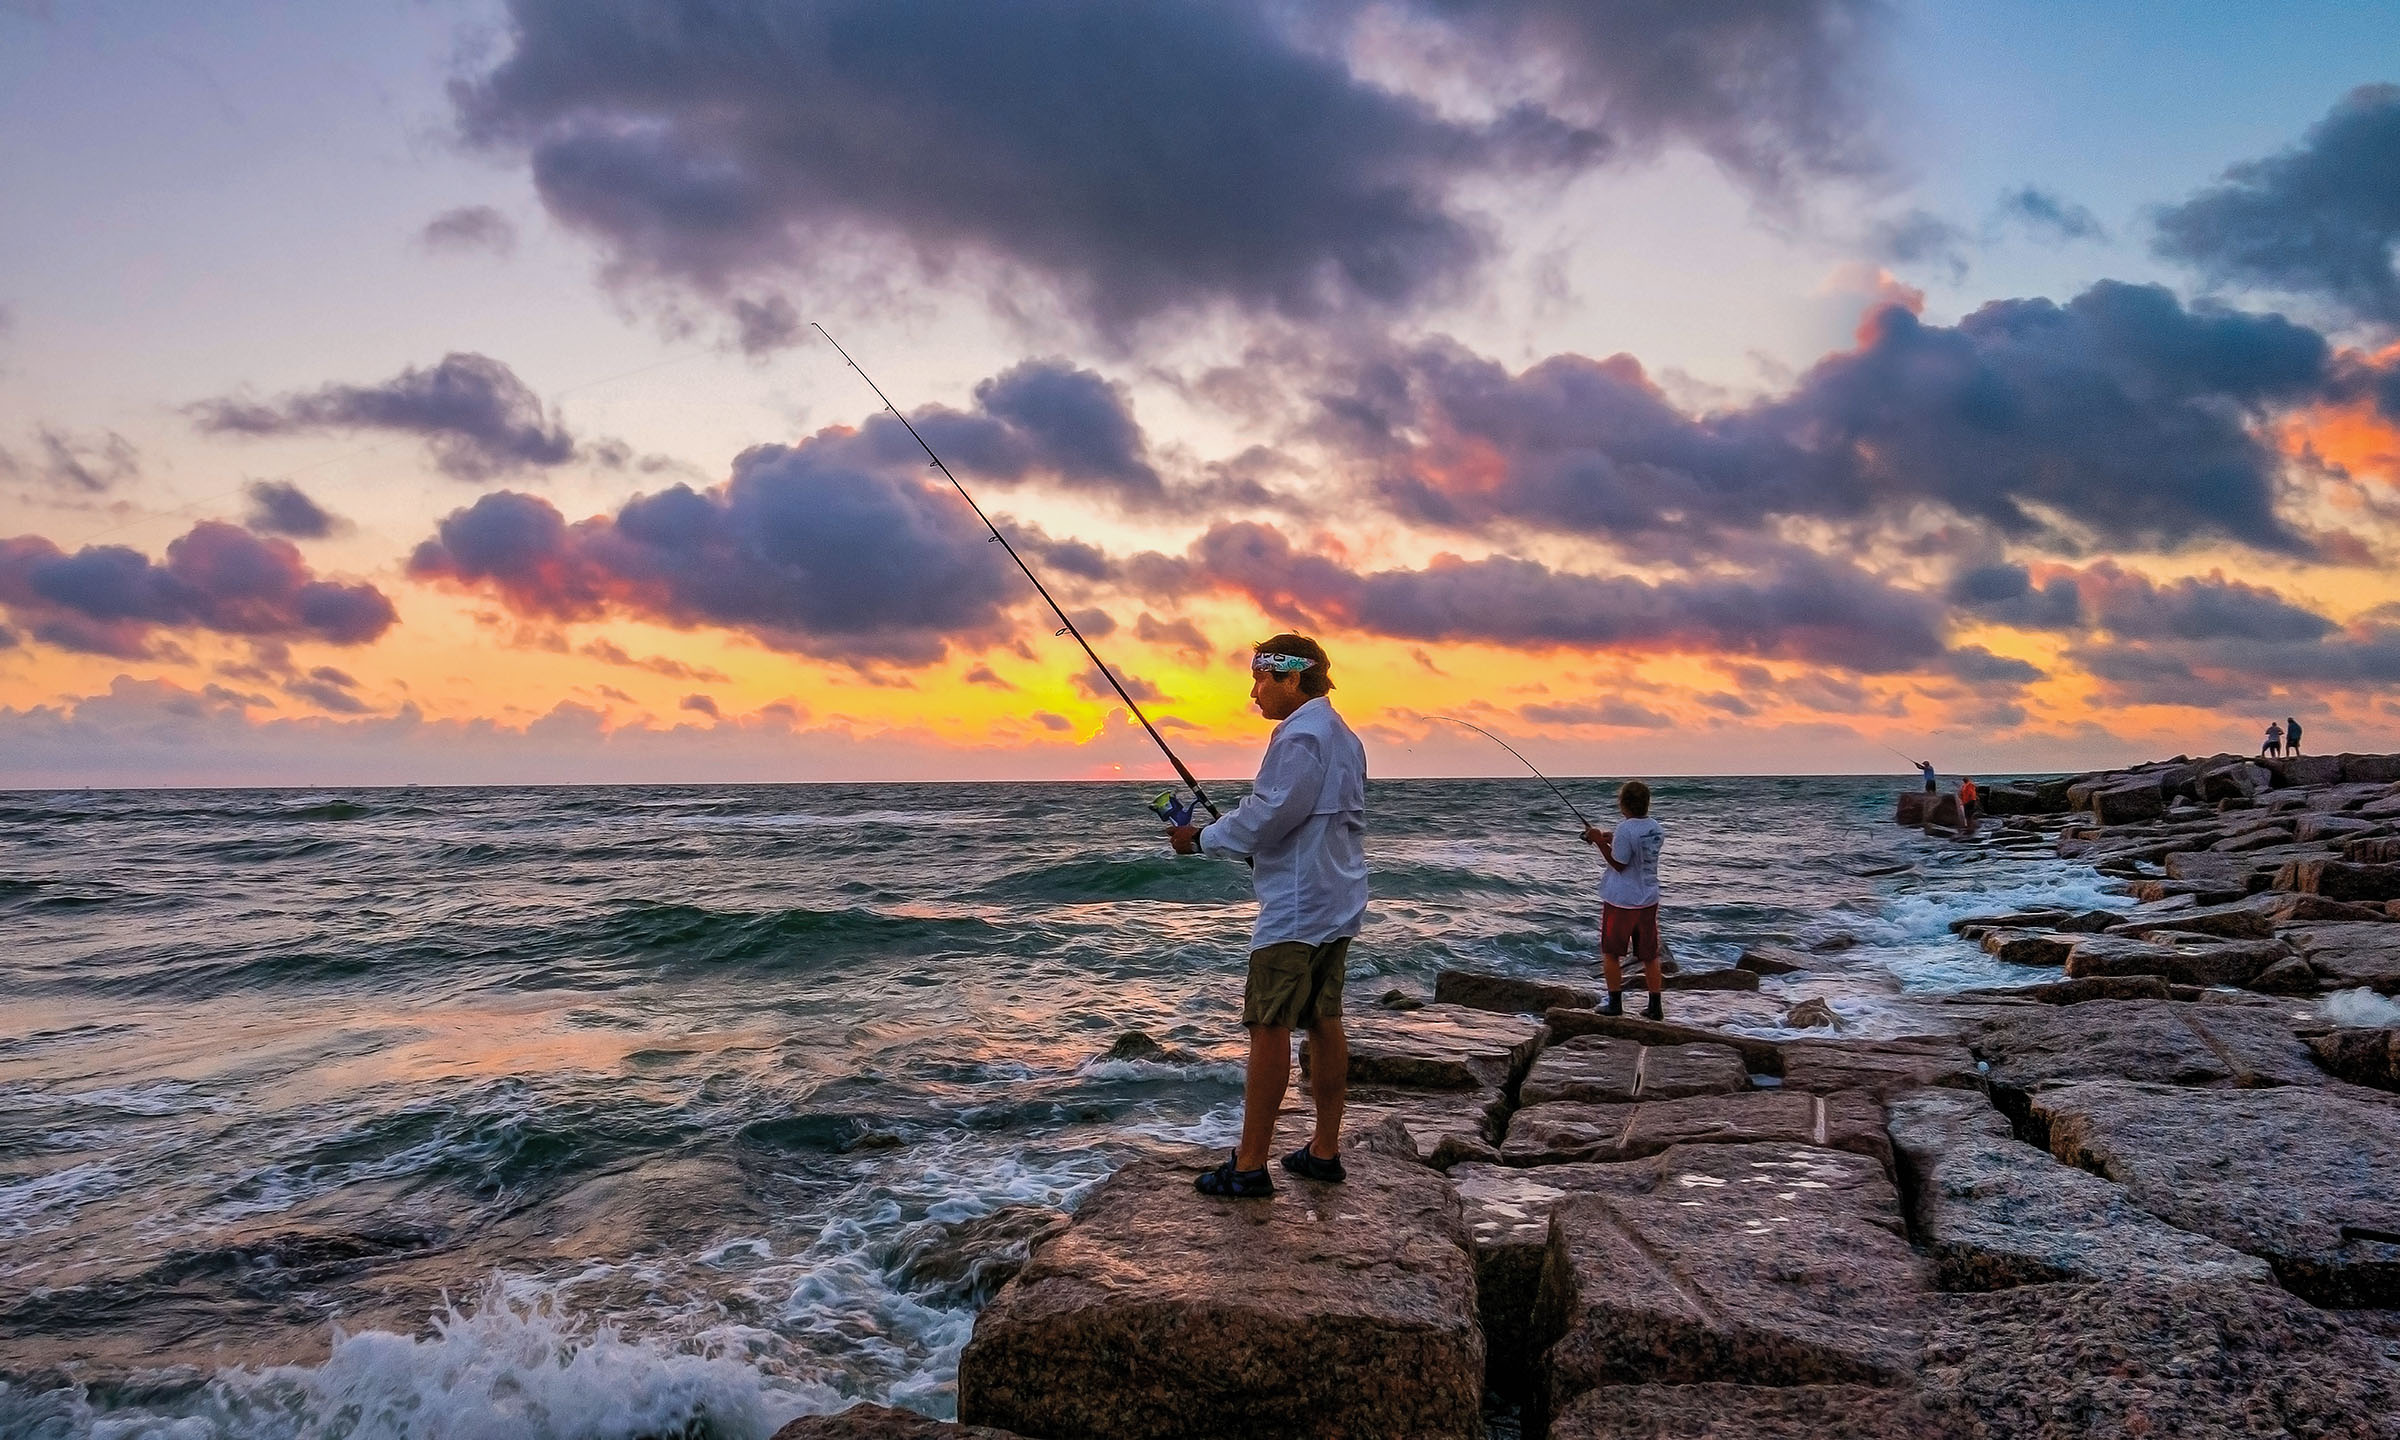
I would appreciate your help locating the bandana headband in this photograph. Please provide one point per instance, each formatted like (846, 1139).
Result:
(1280, 664)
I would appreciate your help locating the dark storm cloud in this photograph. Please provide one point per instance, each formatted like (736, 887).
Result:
(1980, 667)
(2320, 219)
(328, 689)
(2049, 217)
(1140, 158)
(2235, 673)
(2122, 413)
(827, 548)
(1612, 713)
(110, 600)
(2006, 595)
(480, 420)
(1921, 237)
(278, 507)
(701, 704)
(469, 228)
(1797, 606)
(2135, 607)
(76, 464)
(1048, 418)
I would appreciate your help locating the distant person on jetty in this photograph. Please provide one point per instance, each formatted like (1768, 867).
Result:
(1925, 768)
(2274, 743)
(1968, 799)
(1303, 828)
(1629, 897)
(2291, 736)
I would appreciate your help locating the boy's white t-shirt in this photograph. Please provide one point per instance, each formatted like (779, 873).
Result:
(1636, 844)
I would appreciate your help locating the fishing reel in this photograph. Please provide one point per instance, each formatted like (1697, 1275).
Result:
(1173, 811)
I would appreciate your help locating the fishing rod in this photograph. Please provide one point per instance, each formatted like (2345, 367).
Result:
(1168, 810)
(1528, 764)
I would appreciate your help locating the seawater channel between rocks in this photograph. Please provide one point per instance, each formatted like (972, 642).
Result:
(626, 1111)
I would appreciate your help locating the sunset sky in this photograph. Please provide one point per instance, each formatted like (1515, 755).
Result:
(423, 391)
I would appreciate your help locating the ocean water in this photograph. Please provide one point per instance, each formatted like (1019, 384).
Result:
(677, 1112)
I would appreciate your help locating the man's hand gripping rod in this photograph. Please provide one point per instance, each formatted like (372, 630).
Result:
(1068, 626)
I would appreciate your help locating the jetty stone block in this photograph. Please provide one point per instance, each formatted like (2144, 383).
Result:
(2232, 962)
(1912, 807)
(1508, 1216)
(882, 1422)
(2301, 1178)
(1609, 1070)
(1746, 1412)
(2028, 947)
(2172, 1041)
(2128, 803)
(1325, 1311)
(1774, 960)
(2151, 1359)
(2306, 772)
(1878, 1067)
(1763, 1057)
(1996, 1212)
(2346, 956)
(1440, 1128)
(2360, 1055)
(1562, 1133)
(1440, 1047)
(2341, 880)
(2370, 769)
(1509, 994)
(1770, 1264)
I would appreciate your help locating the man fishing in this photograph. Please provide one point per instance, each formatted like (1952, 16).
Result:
(1303, 828)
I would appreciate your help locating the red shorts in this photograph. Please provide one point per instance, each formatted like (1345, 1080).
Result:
(1625, 927)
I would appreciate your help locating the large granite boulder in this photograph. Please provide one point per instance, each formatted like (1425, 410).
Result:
(1331, 1311)
(1509, 994)
(1722, 977)
(2362, 1056)
(2128, 802)
(2346, 956)
(2340, 828)
(2184, 962)
(2306, 771)
(882, 1422)
(2373, 849)
(1564, 1133)
(1508, 1216)
(2028, 947)
(1608, 1070)
(1440, 1128)
(1995, 1212)
(1774, 960)
(1878, 1067)
(1747, 1412)
(2301, 1177)
(1770, 1264)
(2083, 988)
(1912, 807)
(2153, 1360)
(2240, 920)
(2370, 769)
(2171, 1041)
(1762, 1057)
(1440, 1047)
(2341, 880)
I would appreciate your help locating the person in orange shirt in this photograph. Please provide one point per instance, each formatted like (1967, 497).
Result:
(1967, 798)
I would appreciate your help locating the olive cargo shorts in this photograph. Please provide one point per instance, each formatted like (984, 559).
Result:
(1294, 984)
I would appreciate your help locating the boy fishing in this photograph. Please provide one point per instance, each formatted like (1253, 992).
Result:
(1629, 897)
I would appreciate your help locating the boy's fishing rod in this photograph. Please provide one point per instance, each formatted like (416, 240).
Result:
(1069, 625)
(1528, 764)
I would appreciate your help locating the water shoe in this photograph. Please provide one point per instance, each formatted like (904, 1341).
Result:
(1227, 1183)
(1304, 1163)
(1615, 1005)
(1656, 1009)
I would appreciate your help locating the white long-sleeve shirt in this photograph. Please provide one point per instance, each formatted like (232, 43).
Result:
(1304, 829)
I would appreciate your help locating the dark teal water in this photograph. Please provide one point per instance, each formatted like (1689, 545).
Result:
(612, 1112)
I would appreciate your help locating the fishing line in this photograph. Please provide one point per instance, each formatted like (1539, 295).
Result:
(1528, 764)
(1067, 625)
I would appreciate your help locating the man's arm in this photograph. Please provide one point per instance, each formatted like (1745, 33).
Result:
(1286, 792)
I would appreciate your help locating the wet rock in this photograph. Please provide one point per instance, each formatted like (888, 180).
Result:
(2028, 947)
(1134, 1045)
(1943, 812)
(1564, 1132)
(2381, 850)
(1773, 960)
(2346, 956)
(2241, 920)
(2299, 1176)
(1995, 1212)
(1509, 995)
(1745, 1412)
(2162, 1040)
(1878, 1067)
(2341, 880)
(1160, 1315)
(1441, 1047)
(2086, 988)
(1771, 1264)
(2238, 781)
(2150, 1359)
(2293, 908)
(1508, 1216)
(1608, 1070)
(1761, 1056)
(2360, 1055)
(2370, 769)
(2230, 962)
(869, 1421)
(1912, 807)
(2128, 803)
(1440, 1128)
(964, 1263)
(1397, 999)
(2261, 838)
(2289, 976)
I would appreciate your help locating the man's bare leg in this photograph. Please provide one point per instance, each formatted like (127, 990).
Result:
(1328, 1084)
(1614, 974)
(1263, 1084)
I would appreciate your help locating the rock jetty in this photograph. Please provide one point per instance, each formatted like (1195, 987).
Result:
(2154, 1191)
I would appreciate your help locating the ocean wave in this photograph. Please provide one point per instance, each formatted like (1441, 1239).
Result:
(699, 935)
(1163, 877)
